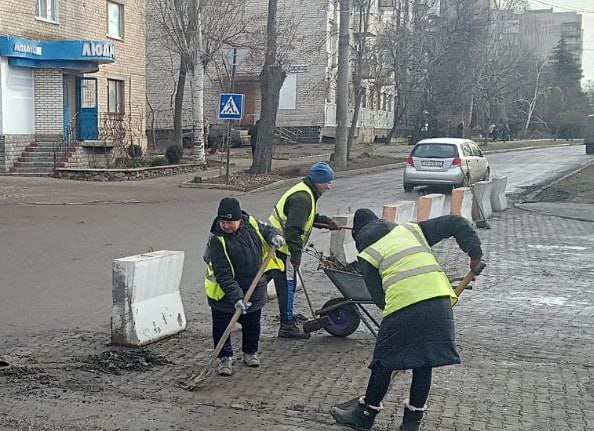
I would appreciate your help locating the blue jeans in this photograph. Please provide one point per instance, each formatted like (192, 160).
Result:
(250, 329)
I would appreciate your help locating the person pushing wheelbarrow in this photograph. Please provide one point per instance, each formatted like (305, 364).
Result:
(417, 331)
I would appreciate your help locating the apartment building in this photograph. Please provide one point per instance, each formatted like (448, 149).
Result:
(541, 31)
(67, 67)
(308, 52)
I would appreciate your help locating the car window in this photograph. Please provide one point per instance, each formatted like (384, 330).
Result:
(476, 150)
(438, 151)
(467, 149)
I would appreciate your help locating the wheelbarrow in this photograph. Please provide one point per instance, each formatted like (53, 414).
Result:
(342, 316)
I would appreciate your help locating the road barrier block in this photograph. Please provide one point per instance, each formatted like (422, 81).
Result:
(342, 244)
(498, 198)
(147, 305)
(430, 206)
(400, 212)
(462, 202)
(481, 208)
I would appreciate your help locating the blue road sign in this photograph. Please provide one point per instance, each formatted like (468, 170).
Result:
(230, 106)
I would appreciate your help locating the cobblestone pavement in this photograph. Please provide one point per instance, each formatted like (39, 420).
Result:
(525, 333)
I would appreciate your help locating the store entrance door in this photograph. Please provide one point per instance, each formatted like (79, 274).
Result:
(88, 115)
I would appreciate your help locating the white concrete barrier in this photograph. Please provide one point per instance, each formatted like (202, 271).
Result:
(342, 244)
(462, 202)
(400, 212)
(430, 206)
(498, 198)
(481, 209)
(147, 305)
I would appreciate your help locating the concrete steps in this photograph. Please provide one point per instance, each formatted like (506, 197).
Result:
(38, 160)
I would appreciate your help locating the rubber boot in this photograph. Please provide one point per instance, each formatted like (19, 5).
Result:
(358, 416)
(291, 330)
(412, 417)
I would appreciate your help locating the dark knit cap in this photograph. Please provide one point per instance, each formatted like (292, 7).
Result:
(229, 209)
(320, 173)
(363, 216)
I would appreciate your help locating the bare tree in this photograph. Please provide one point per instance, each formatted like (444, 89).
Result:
(196, 30)
(271, 81)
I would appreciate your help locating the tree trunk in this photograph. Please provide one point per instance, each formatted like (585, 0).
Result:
(179, 101)
(198, 97)
(271, 81)
(355, 119)
(342, 87)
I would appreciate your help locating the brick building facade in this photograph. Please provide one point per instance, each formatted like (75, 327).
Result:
(67, 68)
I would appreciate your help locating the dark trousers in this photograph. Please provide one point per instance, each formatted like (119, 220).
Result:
(379, 382)
(285, 289)
(250, 331)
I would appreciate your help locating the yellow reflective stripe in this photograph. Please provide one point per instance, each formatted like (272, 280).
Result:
(227, 254)
(394, 258)
(372, 256)
(390, 281)
(415, 230)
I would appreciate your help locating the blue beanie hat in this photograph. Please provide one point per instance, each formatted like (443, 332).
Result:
(320, 173)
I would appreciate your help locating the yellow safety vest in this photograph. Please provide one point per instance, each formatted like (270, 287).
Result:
(279, 210)
(409, 271)
(211, 285)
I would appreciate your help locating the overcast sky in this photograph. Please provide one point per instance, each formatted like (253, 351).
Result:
(586, 9)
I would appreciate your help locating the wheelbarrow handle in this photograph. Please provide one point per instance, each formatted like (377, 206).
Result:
(327, 226)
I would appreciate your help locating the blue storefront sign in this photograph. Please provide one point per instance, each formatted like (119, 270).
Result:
(82, 55)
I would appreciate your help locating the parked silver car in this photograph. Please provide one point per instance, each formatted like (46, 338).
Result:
(445, 161)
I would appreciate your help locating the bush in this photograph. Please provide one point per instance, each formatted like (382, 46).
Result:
(570, 125)
(174, 153)
(158, 161)
(134, 151)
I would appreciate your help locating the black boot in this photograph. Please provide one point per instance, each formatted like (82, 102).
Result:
(358, 416)
(412, 418)
(291, 330)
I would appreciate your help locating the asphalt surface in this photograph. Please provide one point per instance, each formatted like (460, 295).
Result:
(525, 332)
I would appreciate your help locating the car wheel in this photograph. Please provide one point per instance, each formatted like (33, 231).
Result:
(408, 187)
(487, 175)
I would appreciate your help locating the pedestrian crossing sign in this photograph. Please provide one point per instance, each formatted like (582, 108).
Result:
(230, 106)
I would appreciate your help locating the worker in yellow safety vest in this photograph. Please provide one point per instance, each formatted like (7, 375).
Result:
(234, 254)
(406, 281)
(295, 215)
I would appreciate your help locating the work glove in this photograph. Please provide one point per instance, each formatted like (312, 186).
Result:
(296, 261)
(240, 305)
(477, 265)
(277, 241)
(332, 225)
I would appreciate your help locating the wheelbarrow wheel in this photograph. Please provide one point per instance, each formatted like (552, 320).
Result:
(343, 320)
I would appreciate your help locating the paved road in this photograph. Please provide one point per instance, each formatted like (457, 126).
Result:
(526, 332)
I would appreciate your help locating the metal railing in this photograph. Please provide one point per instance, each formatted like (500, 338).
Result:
(62, 146)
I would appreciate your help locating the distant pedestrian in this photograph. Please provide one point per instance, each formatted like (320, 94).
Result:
(460, 130)
(506, 133)
(253, 133)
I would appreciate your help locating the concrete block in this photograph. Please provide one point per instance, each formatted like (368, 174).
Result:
(481, 208)
(342, 244)
(430, 206)
(462, 202)
(400, 212)
(498, 198)
(147, 305)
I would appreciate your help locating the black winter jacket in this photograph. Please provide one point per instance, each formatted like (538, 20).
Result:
(245, 251)
(297, 208)
(434, 230)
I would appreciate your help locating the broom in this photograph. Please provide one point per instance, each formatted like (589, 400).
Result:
(197, 380)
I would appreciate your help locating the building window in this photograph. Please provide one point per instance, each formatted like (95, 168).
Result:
(115, 96)
(115, 20)
(47, 9)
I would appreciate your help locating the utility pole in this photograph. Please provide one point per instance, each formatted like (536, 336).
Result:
(342, 86)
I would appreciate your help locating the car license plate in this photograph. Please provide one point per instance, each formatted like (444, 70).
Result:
(431, 163)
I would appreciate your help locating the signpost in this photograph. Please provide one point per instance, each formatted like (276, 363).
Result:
(231, 104)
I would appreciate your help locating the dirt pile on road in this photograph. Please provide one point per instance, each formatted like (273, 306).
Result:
(116, 361)
(578, 188)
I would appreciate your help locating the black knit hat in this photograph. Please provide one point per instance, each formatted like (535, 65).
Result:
(363, 216)
(229, 209)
